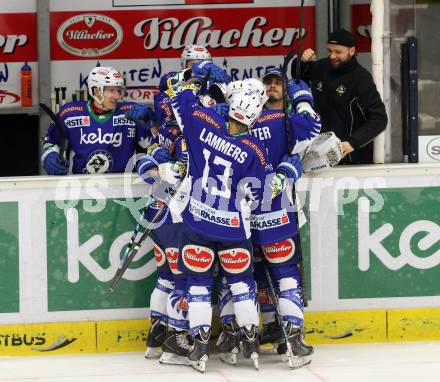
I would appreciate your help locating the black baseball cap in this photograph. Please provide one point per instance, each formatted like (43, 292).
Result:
(341, 37)
(276, 72)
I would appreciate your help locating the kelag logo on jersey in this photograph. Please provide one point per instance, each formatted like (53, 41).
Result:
(83, 120)
(92, 138)
(122, 120)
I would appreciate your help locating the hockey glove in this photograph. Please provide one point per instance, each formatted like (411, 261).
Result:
(291, 166)
(159, 154)
(299, 92)
(180, 150)
(53, 166)
(200, 68)
(222, 109)
(141, 113)
(143, 165)
(172, 173)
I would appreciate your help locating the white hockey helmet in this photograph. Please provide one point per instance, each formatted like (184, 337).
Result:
(253, 84)
(194, 52)
(258, 86)
(234, 88)
(245, 107)
(102, 76)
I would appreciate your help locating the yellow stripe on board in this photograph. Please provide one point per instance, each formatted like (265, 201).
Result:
(345, 326)
(414, 324)
(130, 335)
(49, 338)
(122, 335)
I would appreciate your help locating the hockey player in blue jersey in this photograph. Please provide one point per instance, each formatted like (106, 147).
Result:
(227, 170)
(275, 229)
(168, 305)
(100, 138)
(174, 344)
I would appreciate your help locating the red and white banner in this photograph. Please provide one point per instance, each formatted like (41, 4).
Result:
(226, 32)
(18, 37)
(18, 44)
(361, 26)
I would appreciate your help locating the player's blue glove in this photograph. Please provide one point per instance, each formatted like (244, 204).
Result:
(299, 92)
(159, 154)
(291, 166)
(222, 109)
(141, 113)
(200, 68)
(53, 166)
(180, 150)
(143, 165)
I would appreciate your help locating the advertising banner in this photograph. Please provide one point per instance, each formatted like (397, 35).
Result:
(84, 246)
(144, 41)
(371, 241)
(388, 249)
(9, 261)
(18, 44)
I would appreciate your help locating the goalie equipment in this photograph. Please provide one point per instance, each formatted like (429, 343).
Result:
(324, 152)
(194, 52)
(100, 77)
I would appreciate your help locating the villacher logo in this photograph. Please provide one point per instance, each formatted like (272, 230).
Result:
(89, 35)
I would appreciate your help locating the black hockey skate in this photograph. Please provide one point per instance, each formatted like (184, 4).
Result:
(228, 343)
(271, 333)
(300, 349)
(249, 340)
(199, 352)
(175, 348)
(155, 338)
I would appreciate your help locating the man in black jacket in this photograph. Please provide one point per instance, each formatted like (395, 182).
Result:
(346, 97)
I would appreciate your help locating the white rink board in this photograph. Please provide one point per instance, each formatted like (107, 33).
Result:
(31, 193)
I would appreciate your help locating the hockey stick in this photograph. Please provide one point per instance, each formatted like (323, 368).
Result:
(298, 56)
(127, 258)
(276, 303)
(290, 148)
(135, 233)
(63, 138)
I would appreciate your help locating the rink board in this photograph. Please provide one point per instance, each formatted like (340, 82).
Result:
(46, 339)
(130, 335)
(370, 246)
(414, 324)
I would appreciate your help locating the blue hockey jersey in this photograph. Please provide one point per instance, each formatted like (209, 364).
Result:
(97, 143)
(226, 173)
(277, 221)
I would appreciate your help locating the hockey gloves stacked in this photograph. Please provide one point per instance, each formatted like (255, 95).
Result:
(53, 166)
(299, 92)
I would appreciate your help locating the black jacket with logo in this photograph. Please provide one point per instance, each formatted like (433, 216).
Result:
(349, 105)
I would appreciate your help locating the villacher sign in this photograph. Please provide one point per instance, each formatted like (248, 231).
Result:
(89, 35)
